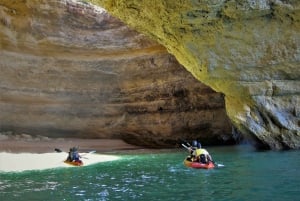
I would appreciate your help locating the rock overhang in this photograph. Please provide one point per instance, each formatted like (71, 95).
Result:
(248, 50)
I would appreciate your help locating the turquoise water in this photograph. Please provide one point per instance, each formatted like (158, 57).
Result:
(247, 175)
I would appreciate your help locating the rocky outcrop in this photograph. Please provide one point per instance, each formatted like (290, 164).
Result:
(249, 50)
(68, 69)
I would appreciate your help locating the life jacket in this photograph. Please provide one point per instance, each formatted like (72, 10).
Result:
(199, 152)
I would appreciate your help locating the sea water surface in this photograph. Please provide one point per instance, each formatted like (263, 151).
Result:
(160, 175)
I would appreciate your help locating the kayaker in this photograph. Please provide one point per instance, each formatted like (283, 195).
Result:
(73, 155)
(192, 150)
(70, 156)
(76, 156)
(202, 155)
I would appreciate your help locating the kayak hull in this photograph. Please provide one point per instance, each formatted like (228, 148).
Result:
(74, 163)
(198, 165)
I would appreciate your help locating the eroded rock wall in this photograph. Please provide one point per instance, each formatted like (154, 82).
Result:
(249, 50)
(68, 69)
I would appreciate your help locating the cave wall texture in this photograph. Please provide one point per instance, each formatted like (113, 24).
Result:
(248, 50)
(69, 69)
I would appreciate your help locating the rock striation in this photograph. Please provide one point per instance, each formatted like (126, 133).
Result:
(69, 69)
(248, 50)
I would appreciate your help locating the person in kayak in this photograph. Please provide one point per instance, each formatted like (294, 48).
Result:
(192, 151)
(202, 155)
(74, 155)
(70, 155)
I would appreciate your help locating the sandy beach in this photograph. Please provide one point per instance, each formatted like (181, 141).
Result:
(27, 153)
(15, 162)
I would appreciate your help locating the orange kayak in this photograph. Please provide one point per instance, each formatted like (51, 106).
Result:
(74, 163)
(198, 165)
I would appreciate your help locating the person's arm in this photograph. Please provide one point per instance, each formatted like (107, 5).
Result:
(191, 150)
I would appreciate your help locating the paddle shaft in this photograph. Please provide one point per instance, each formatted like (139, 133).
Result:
(81, 156)
(188, 148)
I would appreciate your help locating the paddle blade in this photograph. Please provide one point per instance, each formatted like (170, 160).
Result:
(57, 150)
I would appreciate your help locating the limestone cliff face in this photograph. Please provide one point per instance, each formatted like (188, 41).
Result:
(249, 50)
(68, 69)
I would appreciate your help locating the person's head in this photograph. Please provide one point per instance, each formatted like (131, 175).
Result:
(194, 143)
(199, 145)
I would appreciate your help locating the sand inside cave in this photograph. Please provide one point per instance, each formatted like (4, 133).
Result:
(27, 153)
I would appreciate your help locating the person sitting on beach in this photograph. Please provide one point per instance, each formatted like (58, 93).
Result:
(202, 155)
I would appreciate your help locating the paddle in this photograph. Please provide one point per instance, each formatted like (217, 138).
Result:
(58, 150)
(185, 146)
(219, 165)
(185, 143)
(90, 152)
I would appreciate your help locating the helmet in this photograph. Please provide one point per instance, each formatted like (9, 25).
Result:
(199, 145)
(194, 143)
